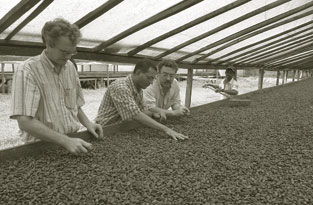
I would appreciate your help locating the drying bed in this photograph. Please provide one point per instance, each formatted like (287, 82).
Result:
(256, 154)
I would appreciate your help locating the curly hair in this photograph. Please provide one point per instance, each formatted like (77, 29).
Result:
(144, 65)
(167, 63)
(52, 30)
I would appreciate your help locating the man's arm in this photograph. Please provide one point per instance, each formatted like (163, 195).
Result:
(93, 128)
(146, 120)
(39, 130)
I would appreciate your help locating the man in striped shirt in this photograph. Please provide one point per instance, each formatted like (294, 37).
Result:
(46, 95)
(123, 100)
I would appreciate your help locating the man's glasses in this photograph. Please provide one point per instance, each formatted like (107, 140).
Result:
(165, 75)
(67, 53)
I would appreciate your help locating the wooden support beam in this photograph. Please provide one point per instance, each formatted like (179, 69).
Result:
(3, 78)
(188, 25)
(283, 77)
(33, 15)
(97, 12)
(298, 74)
(15, 13)
(222, 27)
(293, 75)
(292, 59)
(263, 41)
(278, 50)
(278, 77)
(189, 88)
(261, 76)
(254, 33)
(158, 17)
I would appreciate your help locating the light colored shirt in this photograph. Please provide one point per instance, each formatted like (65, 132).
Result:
(231, 85)
(53, 98)
(121, 102)
(154, 95)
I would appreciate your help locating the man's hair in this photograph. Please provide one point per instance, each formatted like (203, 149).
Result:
(167, 63)
(144, 65)
(53, 30)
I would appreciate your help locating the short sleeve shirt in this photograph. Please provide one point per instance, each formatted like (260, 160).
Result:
(154, 95)
(231, 85)
(121, 102)
(53, 98)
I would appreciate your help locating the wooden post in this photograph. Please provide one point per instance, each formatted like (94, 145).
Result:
(13, 67)
(189, 88)
(284, 73)
(277, 79)
(90, 67)
(3, 78)
(287, 76)
(108, 76)
(293, 75)
(261, 75)
(82, 68)
(298, 75)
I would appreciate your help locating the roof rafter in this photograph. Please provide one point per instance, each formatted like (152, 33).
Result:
(33, 15)
(227, 45)
(16, 12)
(158, 17)
(262, 41)
(224, 26)
(249, 29)
(97, 12)
(295, 60)
(188, 25)
(289, 59)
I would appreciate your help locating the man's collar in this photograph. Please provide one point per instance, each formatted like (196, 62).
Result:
(50, 65)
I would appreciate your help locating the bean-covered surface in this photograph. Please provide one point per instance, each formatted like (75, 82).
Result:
(257, 154)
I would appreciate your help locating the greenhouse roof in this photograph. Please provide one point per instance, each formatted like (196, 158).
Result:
(202, 34)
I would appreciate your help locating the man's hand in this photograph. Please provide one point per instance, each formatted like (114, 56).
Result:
(77, 146)
(175, 135)
(185, 110)
(218, 90)
(95, 130)
(160, 115)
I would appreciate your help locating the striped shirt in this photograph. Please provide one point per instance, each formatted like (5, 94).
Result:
(53, 98)
(121, 102)
(154, 95)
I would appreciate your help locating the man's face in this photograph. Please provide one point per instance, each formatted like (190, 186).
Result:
(229, 75)
(145, 79)
(62, 51)
(166, 76)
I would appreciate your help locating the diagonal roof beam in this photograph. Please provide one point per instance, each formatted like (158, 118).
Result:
(224, 26)
(158, 17)
(271, 45)
(188, 25)
(97, 12)
(227, 45)
(16, 12)
(262, 41)
(277, 50)
(292, 58)
(248, 30)
(33, 15)
(298, 64)
(303, 48)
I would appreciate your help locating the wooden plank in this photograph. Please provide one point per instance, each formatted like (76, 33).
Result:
(293, 75)
(189, 88)
(35, 13)
(155, 18)
(242, 38)
(97, 12)
(281, 47)
(261, 76)
(15, 13)
(249, 29)
(283, 77)
(213, 31)
(264, 40)
(291, 59)
(3, 78)
(188, 25)
(271, 44)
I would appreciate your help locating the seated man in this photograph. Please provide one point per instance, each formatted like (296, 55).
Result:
(228, 87)
(46, 95)
(123, 100)
(164, 92)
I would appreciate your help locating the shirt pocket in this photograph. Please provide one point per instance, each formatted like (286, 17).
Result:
(70, 98)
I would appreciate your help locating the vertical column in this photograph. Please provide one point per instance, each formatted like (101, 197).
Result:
(3, 78)
(283, 77)
(277, 78)
(108, 76)
(189, 88)
(261, 76)
(293, 75)
(298, 75)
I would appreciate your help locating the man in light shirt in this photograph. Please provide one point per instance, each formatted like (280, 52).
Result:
(229, 86)
(164, 93)
(46, 95)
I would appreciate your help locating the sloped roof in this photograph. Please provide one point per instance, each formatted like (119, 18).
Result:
(195, 33)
